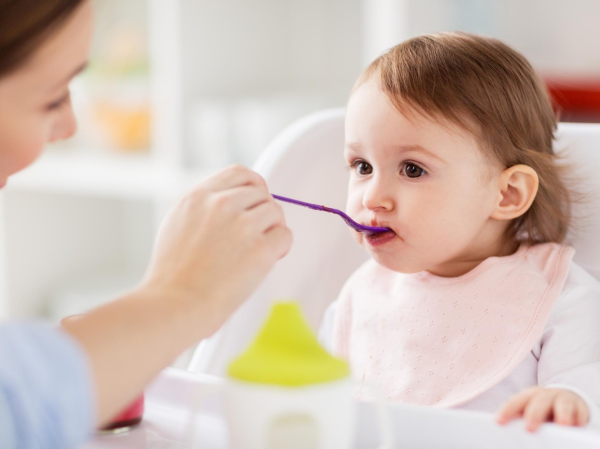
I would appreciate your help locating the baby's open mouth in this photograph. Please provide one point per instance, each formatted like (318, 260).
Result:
(377, 224)
(380, 238)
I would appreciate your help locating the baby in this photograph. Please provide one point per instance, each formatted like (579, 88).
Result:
(472, 301)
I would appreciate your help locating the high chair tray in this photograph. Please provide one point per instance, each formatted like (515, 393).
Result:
(169, 401)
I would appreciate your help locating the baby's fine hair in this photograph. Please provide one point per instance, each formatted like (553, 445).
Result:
(492, 91)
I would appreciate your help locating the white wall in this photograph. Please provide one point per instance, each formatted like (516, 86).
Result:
(238, 47)
(252, 67)
(557, 36)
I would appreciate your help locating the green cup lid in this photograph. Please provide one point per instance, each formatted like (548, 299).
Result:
(286, 352)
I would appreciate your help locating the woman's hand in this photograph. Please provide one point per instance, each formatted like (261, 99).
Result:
(537, 405)
(213, 250)
(218, 244)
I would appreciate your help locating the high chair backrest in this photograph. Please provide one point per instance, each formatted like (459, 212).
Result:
(306, 162)
(579, 144)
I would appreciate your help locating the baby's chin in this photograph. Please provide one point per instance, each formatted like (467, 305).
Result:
(397, 263)
(395, 260)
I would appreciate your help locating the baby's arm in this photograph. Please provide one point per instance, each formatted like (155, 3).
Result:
(334, 333)
(568, 368)
(326, 329)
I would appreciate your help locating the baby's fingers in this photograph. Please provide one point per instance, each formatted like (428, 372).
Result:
(538, 410)
(582, 413)
(564, 410)
(513, 408)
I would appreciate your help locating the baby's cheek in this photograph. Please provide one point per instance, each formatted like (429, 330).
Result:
(357, 236)
(439, 228)
(355, 210)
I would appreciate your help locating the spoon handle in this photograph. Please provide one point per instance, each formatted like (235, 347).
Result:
(370, 230)
(300, 203)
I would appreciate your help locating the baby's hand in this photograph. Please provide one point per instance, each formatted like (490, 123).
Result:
(537, 405)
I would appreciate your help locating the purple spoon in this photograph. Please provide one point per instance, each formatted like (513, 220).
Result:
(367, 230)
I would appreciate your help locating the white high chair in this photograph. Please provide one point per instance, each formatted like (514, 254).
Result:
(306, 162)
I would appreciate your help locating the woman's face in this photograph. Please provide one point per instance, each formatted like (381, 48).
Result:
(35, 104)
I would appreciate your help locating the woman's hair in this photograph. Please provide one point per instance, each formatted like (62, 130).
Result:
(24, 24)
(490, 90)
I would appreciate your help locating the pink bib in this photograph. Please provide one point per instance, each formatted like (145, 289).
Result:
(429, 340)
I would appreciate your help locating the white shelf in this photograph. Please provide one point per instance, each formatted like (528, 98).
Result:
(80, 218)
(104, 175)
(77, 217)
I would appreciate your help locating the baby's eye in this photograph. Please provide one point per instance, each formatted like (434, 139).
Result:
(412, 170)
(363, 168)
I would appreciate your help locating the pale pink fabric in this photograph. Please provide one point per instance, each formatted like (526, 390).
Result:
(428, 340)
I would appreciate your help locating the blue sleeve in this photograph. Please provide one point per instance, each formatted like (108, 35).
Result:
(46, 390)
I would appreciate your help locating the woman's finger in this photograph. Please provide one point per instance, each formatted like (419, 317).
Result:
(280, 239)
(582, 413)
(233, 176)
(238, 199)
(263, 217)
(513, 408)
(538, 409)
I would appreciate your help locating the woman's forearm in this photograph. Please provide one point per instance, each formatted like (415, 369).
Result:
(212, 251)
(129, 341)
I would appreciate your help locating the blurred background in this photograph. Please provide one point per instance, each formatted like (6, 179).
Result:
(177, 89)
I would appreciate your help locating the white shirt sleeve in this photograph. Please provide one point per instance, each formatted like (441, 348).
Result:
(570, 345)
(326, 329)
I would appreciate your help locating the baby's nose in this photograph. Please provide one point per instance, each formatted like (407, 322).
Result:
(378, 197)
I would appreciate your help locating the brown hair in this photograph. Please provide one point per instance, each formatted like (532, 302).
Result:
(24, 24)
(492, 91)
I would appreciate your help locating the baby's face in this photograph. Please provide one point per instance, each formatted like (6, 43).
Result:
(427, 181)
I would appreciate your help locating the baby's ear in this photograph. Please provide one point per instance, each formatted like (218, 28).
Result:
(517, 187)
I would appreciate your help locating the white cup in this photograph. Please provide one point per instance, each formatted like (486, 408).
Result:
(261, 416)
